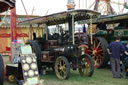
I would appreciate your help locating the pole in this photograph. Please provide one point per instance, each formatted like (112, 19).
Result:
(30, 32)
(25, 9)
(86, 4)
(91, 29)
(39, 35)
(13, 33)
(73, 27)
(79, 4)
(13, 25)
(46, 27)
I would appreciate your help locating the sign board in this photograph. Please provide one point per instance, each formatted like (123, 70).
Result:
(26, 49)
(32, 81)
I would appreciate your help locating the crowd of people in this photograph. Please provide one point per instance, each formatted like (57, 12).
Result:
(117, 51)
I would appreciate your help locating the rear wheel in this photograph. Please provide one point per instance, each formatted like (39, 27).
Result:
(2, 70)
(36, 49)
(87, 65)
(62, 68)
(98, 51)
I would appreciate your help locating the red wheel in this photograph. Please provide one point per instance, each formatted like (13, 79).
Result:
(98, 51)
(2, 71)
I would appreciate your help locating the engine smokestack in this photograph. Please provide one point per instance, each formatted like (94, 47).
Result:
(70, 4)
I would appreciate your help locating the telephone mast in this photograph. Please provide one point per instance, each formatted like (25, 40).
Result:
(70, 5)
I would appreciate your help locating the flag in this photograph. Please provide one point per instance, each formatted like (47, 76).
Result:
(84, 29)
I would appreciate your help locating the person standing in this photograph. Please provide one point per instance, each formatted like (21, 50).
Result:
(115, 49)
(124, 55)
(125, 62)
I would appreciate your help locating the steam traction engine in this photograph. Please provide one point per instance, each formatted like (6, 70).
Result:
(62, 50)
(116, 26)
(107, 29)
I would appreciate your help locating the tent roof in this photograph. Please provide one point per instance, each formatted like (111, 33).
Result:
(5, 4)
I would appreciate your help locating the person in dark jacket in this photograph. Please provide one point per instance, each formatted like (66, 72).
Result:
(115, 49)
(124, 55)
(34, 36)
(125, 62)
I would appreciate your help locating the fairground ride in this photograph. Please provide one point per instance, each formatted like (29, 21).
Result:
(109, 7)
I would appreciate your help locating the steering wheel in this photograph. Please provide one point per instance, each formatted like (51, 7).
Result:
(55, 35)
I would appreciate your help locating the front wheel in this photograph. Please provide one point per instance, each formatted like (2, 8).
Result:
(87, 65)
(62, 68)
(37, 50)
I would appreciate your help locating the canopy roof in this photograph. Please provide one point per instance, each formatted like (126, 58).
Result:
(6, 20)
(113, 18)
(5, 4)
(62, 17)
(108, 19)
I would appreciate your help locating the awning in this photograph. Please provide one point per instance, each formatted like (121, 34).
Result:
(5, 4)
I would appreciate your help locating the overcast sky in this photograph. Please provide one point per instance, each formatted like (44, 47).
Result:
(52, 6)
(41, 6)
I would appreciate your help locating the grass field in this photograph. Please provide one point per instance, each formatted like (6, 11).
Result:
(100, 77)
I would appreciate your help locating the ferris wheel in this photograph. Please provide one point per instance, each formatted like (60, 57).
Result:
(108, 7)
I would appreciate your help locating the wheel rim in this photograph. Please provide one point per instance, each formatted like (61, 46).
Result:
(61, 70)
(86, 66)
(96, 50)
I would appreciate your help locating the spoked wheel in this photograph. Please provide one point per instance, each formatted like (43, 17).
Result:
(36, 49)
(62, 68)
(98, 51)
(2, 71)
(87, 65)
